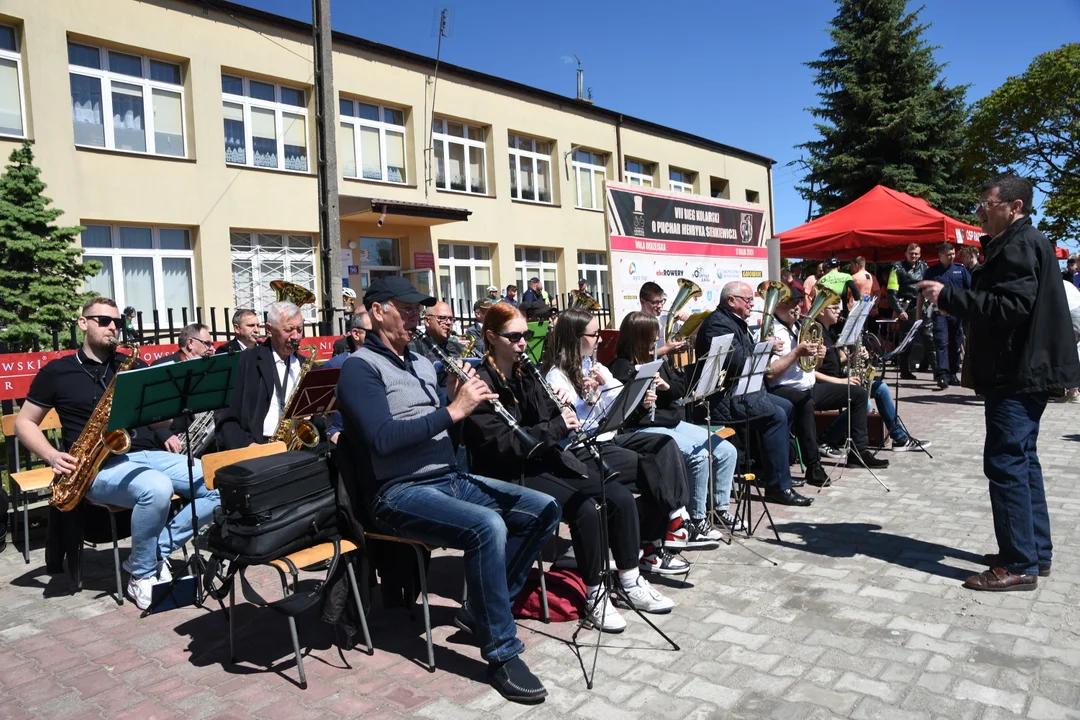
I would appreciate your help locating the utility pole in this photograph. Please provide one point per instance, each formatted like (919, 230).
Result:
(326, 160)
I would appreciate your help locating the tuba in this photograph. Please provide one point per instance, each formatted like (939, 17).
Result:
(94, 445)
(811, 330)
(298, 295)
(583, 301)
(774, 292)
(296, 433)
(688, 290)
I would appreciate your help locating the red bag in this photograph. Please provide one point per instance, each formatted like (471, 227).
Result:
(565, 596)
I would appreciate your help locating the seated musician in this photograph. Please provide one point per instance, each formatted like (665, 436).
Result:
(194, 342)
(787, 379)
(265, 379)
(396, 435)
(497, 452)
(832, 370)
(143, 479)
(245, 324)
(651, 464)
(438, 322)
(768, 415)
(353, 341)
(651, 298)
(480, 308)
(360, 324)
(638, 336)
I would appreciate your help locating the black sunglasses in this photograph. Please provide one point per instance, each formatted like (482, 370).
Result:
(106, 320)
(514, 337)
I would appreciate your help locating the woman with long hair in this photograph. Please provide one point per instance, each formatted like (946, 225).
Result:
(495, 451)
(638, 335)
(655, 468)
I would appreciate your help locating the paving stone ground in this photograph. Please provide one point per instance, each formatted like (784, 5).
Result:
(861, 616)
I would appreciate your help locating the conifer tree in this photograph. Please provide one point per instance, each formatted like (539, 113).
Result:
(41, 274)
(886, 116)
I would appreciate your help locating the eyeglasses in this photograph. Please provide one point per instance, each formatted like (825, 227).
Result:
(658, 302)
(441, 318)
(514, 337)
(746, 299)
(985, 205)
(595, 335)
(407, 311)
(106, 320)
(205, 343)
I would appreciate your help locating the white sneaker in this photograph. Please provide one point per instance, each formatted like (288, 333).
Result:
(163, 574)
(648, 599)
(602, 615)
(141, 590)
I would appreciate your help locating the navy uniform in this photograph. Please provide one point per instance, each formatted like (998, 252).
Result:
(947, 327)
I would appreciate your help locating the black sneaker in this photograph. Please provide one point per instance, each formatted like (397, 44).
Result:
(908, 376)
(703, 536)
(515, 681)
(797, 482)
(908, 443)
(943, 383)
(953, 380)
(464, 621)
(865, 458)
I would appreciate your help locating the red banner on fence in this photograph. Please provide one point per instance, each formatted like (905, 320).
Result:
(17, 370)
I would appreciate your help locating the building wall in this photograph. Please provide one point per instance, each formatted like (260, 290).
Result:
(204, 194)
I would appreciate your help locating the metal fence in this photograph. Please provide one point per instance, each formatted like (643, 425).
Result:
(464, 318)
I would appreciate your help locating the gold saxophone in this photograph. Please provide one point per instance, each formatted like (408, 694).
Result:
(94, 445)
(294, 432)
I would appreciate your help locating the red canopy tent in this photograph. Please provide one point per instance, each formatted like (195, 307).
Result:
(878, 226)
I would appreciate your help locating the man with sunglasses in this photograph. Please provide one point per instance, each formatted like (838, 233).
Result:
(195, 342)
(396, 448)
(143, 479)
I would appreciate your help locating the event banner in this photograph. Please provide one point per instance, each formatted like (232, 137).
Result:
(663, 236)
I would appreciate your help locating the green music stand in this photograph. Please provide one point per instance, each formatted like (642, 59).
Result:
(535, 347)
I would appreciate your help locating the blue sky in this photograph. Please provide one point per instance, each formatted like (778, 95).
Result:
(728, 71)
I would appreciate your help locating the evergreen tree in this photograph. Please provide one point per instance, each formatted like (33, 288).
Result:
(886, 116)
(40, 272)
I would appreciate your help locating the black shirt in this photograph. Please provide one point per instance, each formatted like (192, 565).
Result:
(830, 364)
(73, 385)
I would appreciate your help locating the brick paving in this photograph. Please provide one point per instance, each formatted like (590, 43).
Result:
(862, 616)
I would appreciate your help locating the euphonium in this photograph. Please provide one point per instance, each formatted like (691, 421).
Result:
(774, 292)
(583, 301)
(296, 433)
(94, 445)
(688, 290)
(298, 295)
(201, 431)
(811, 330)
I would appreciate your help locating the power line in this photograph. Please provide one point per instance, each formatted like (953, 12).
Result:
(240, 22)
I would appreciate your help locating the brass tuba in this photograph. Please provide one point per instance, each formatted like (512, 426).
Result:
(811, 330)
(583, 301)
(688, 290)
(94, 445)
(773, 292)
(298, 295)
(296, 433)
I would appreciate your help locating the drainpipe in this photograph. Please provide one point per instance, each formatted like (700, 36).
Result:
(773, 242)
(618, 146)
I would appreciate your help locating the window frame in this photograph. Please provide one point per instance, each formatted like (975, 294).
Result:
(525, 268)
(253, 256)
(446, 139)
(471, 264)
(639, 179)
(383, 127)
(681, 185)
(516, 154)
(591, 169)
(590, 270)
(279, 108)
(107, 77)
(16, 57)
(117, 254)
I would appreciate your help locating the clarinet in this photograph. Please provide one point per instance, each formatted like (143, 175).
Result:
(527, 440)
(530, 366)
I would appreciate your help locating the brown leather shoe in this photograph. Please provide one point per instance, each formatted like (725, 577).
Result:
(1001, 580)
(994, 560)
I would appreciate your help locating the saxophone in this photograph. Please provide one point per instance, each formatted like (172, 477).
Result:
(94, 445)
(296, 433)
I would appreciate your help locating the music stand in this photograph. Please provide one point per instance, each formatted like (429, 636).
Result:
(168, 391)
(614, 419)
(896, 396)
(315, 393)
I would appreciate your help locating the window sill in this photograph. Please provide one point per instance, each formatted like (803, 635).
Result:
(381, 183)
(132, 153)
(279, 171)
(534, 203)
(464, 192)
(13, 138)
(589, 209)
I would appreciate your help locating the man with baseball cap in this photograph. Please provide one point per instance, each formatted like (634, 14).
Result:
(535, 292)
(396, 442)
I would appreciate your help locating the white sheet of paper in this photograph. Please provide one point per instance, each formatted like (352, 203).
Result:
(715, 361)
(856, 321)
(753, 371)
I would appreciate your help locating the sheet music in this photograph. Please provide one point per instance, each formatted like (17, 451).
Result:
(713, 364)
(907, 340)
(753, 370)
(856, 321)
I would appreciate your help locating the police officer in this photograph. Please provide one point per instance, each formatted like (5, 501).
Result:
(947, 327)
(903, 298)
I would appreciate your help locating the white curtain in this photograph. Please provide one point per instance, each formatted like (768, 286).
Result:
(86, 111)
(139, 284)
(295, 135)
(347, 150)
(102, 283)
(10, 107)
(176, 282)
(371, 153)
(168, 123)
(128, 130)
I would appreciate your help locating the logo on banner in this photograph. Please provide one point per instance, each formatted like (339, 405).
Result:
(632, 268)
(700, 273)
(751, 273)
(639, 217)
(960, 236)
(746, 228)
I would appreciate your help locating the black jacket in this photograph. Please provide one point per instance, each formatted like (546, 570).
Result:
(726, 409)
(668, 413)
(231, 346)
(495, 450)
(179, 424)
(345, 345)
(1017, 317)
(240, 424)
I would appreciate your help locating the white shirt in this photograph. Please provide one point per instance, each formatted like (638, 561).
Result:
(273, 415)
(794, 376)
(588, 415)
(1072, 297)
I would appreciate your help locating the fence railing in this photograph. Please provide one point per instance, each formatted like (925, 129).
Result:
(464, 318)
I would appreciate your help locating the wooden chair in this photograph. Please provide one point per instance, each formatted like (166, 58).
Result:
(24, 482)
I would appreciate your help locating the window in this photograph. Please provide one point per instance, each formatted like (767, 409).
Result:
(142, 98)
(149, 268)
(371, 141)
(681, 180)
(530, 169)
(265, 124)
(593, 267)
(377, 257)
(639, 173)
(464, 275)
(532, 262)
(11, 90)
(719, 188)
(753, 196)
(460, 157)
(259, 258)
(589, 171)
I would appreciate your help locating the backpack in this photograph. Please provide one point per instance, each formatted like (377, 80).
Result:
(565, 596)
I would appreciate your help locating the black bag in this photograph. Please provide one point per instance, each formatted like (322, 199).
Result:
(272, 506)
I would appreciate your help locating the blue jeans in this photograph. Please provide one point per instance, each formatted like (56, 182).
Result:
(1017, 497)
(145, 482)
(500, 526)
(836, 432)
(693, 442)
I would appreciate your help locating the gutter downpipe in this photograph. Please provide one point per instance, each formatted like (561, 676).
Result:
(618, 146)
(773, 242)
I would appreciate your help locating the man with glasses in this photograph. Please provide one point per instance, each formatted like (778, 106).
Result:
(1014, 313)
(904, 300)
(652, 299)
(359, 324)
(396, 447)
(768, 416)
(143, 479)
(438, 323)
(195, 342)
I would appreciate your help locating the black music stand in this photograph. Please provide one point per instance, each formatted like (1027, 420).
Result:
(168, 391)
(613, 421)
(896, 396)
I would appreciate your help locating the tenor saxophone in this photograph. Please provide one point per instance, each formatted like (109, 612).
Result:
(296, 433)
(94, 445)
